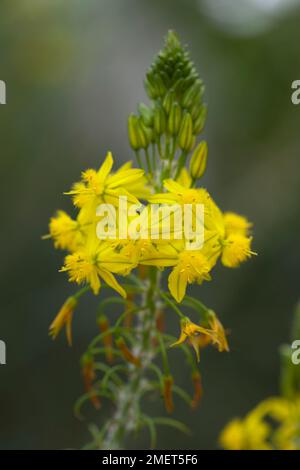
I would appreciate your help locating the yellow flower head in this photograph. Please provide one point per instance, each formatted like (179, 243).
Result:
(235, 223)
(192, 266)
(179, 194)
(138, 187)
(65, 231)
(94, 261)
(285, 413)
(101, 186)
(272, 424)
(200, 336)
(218, 335)
(64, 318)
(248, 434)
(236, 249)
(137, 250)
(192, 332)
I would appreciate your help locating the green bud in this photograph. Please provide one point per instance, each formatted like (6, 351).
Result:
(142, 136)
(178, 86)
(159, 83)
(172, 40)
(198, 160)
(192, 142)
(185, 140)
(147, 131)
(200, 121)
(165, 80)
(196, 109)
(192, 94)
(133, 132)
(168, 101)
(160, 120)
(146, 114)
(174, 119)
(150, 87)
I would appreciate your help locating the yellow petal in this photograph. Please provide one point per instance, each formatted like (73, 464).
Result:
(106, 166)
(112, 282)
(125, 177)
(177, 283)
(184, 178)
(163, 198)
(111, 196)
(180, 340)
(94, 282)
(174, 187)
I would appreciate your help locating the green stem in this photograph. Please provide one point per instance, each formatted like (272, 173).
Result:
(181, 163)
(126, 418)
(171, 304)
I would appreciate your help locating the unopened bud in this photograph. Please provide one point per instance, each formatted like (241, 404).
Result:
(107, 337)
(160, 120)
(160, 323)
(174, 119)
(198, 161)
(196, 109)
(148, 134)
(160, 84)
(168, 393)
(185, 139)
(127, 354)
(88, 375)
(196, 377)
(142, 136)
(179, 85)
(129, 306)
(133, 132)
(168, 101)
(192, 94)
(146, 114)
(151, 89)
(64, 318)
(200, 121)
(143, 271)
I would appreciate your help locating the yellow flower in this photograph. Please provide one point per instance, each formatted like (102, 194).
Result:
(190, 331)
(248, 434)
(102, 187)
(192, 266)
(139, 187)
(214, 227)
(179, 194)
(189, 266)
(286, 414)
(272, 424)
(200, 336)
(236, 249)
(94, 261)
(64, 318)
(65, 231)
(137, 250)
(218, 335)
(235, 223)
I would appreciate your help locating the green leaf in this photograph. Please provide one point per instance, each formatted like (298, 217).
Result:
(173, 423)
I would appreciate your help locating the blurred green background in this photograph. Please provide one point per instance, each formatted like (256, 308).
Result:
(74, 71)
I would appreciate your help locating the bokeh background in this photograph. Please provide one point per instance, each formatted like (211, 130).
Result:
(74, 71)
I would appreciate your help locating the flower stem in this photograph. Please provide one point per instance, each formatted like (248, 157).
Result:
(127, 415)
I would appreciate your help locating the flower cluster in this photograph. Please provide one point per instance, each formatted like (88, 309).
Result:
(271, 425)
(91, 259)
(143, 248)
